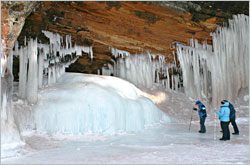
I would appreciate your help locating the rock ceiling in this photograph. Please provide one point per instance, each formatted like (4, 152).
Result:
(130, 26)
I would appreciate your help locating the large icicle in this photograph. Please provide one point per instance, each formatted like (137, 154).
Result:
(40, 70)
(221, 72)
(10, 135)
(49, 56)
(142, 70)
(23, 72)
(32, 87)
(231, 53)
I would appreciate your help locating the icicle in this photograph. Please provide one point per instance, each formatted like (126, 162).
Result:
(24, 40)
(176, 82)
(142, 70)
(168, 79)
(40, 70)
(105, 71)
(67, 40)
(32, 74)
(91, 52)
(10, 62)
(225, 68)
(174, 58)
(172, 82)
(49, 76)
(16, 48)
(157, 78)
(22, 72)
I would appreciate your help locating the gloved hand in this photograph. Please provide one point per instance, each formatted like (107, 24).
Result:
(195, 109)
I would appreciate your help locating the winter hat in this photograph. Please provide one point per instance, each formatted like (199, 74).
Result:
(197, 102)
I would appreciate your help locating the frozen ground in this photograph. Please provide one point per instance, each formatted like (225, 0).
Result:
(168, 143)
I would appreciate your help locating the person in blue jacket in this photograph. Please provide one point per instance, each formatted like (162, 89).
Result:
(232, 118)
(202, 114)
(224, 120)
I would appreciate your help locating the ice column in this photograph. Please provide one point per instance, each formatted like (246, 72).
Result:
(10, 135)
(41, 68)
(231, 54)
(141, 69)
(194, 68)
(221, 72)
(32, 73)
(23, 72)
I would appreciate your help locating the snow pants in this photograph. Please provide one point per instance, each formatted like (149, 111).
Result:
(202, 124)
(232, 121)
(225, 130)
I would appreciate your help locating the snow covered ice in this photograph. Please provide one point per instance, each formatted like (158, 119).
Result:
(83, 104)
(164, 143)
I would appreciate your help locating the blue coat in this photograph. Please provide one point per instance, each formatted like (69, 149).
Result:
(202, 110)
(232, 111)
(224, 112)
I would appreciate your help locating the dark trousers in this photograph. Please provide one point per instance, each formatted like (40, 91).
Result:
(202, 124)
(232, 121)
(225, 130)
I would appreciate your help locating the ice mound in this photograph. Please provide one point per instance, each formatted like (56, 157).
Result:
(84, 104)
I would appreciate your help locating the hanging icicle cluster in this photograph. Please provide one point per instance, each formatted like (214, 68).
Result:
(142, 69)
(221, 72)
(194, 68)
(45, 62)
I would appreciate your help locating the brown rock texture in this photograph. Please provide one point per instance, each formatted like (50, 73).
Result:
(132, 26)
(13, 15)
(125, 25)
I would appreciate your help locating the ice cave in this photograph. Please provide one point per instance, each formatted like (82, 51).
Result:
(88, 82)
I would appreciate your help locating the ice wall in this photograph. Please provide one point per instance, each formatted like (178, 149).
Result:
(10, 135)
(231, 54)
(219, 71)
(85, 104)
(47, 62)
(193, 61)
(143, 70)
(40, 65)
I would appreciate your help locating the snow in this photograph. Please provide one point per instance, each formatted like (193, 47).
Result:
(151, 147)
(164, 143)
(86, 104)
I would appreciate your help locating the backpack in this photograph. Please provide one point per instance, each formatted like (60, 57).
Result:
(203, 112)
(232, 111)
